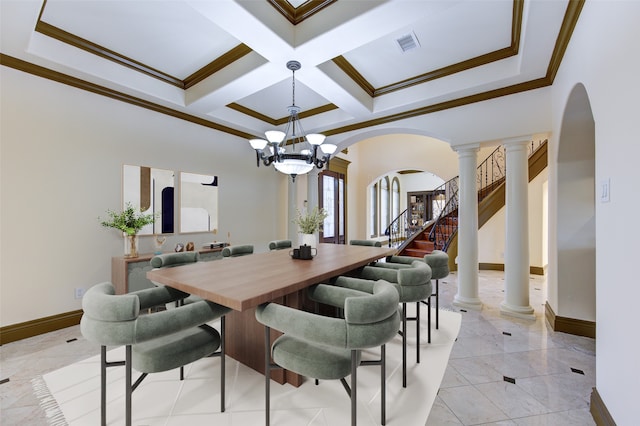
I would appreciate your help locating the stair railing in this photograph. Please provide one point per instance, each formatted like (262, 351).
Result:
(402, 228)
(445, 225)
(399, 229)
(491, 172)
(489, 175)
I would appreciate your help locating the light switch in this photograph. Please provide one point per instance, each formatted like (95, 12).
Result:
(605, 191)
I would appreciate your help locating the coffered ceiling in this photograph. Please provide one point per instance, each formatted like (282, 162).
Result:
(222, 63)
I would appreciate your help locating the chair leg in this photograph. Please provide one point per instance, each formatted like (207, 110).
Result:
(267, 373)
(418, 332)
(404, 345)
(437, 306)
(129, 390)
(429, 320)
(383, 384)
(103, 385)
(222, 364)
(354, 386)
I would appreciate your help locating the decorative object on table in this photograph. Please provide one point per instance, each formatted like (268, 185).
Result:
(215, 244)
(179, 247)
(190, 246)
(305, 252)
(130, 221)
(158, 242)
(281, 153)
(310, 223)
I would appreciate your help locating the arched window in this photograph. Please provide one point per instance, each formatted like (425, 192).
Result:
(385, 207)
(395, 200)
(373, 212)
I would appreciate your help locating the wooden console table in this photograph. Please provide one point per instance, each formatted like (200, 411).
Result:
(130, 274)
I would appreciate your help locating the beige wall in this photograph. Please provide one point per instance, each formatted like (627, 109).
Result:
(374, 157)
(491, 237)
(62, 151)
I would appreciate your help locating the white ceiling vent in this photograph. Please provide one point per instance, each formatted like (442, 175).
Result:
(408, 42)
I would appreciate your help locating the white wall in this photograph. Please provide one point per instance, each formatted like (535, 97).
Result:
(414, 182)
(603, 56)
(62, 152)
(491, 236)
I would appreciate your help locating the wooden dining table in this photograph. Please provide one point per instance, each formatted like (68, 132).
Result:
(242, 283)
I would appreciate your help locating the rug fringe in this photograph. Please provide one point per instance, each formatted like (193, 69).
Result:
(48, 403)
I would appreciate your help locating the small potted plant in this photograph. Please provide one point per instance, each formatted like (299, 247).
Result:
(130, 221)
(310, 223)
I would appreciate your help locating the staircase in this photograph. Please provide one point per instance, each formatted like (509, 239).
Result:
(441, 233)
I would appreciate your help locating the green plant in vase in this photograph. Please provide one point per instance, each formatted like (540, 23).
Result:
(130, 221)
(310, 223)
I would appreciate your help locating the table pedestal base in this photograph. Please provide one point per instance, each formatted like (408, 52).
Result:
(245, 339)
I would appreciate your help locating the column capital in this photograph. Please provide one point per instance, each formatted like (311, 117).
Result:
(517, 141)
(466, 148)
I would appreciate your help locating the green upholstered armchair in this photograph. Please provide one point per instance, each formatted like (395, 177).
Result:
(371, 243)
(154, 342)
(170, 260)
(413, 283)
(235, 251)
(437, 260)
(329, 348)
(279, 244)
(174, 259)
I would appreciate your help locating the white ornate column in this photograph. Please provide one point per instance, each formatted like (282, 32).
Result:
(516, 254)
(467, 295)
(312, 189)
(292, 197)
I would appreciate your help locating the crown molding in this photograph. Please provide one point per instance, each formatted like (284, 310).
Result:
(296, 15)
(569, 22)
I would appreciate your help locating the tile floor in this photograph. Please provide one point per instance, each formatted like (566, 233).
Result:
(508, 371)
(553, 372)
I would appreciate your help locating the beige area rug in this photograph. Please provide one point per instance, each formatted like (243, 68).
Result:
(71, 395)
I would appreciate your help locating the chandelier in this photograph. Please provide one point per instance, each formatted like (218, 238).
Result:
(286, 158)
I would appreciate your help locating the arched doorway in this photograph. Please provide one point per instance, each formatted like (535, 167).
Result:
(576, 233)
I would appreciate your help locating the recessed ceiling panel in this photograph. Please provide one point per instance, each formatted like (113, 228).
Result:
(463, 32)
(273, 101)
(168, 36)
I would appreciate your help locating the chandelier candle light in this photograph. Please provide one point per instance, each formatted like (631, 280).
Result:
(291, 162)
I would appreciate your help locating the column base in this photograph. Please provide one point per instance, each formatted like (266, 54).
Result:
(467, 302)
(522, 312)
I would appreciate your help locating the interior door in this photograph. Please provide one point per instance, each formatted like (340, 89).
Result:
(332, 199)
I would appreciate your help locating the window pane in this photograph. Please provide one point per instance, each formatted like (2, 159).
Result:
(328, 229)
(341, 205)
(396, 200)
(373, 217)
(384, 205)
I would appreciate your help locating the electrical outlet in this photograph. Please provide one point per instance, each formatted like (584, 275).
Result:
(605, 189)
(79, 292)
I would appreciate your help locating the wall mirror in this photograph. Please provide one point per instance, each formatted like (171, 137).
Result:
(198, 202)
(151, 190)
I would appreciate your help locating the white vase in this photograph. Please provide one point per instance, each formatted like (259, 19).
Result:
(131, 246)
(308, 239)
